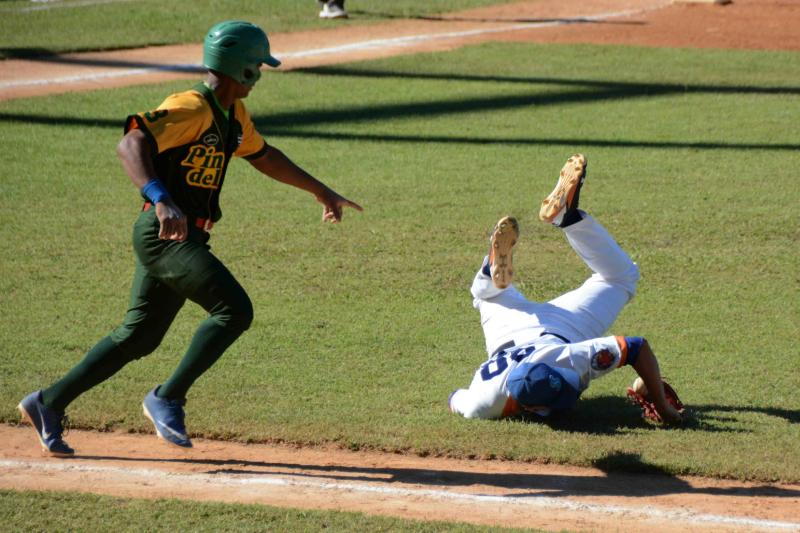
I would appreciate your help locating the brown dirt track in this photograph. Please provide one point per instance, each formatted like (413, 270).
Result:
(486, 492)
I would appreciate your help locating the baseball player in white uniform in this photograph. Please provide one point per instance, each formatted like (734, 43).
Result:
(542, 356)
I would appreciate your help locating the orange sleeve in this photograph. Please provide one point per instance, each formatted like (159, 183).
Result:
(252, 141)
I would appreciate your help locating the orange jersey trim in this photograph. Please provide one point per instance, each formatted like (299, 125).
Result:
(623, 350)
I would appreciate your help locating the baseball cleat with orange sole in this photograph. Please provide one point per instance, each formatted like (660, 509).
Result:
(565, 196)
(504, 237)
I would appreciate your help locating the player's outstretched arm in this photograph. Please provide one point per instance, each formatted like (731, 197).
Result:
(134, 152)
(277, 166)
(646, 366)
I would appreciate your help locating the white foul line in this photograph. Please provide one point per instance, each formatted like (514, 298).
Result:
(47, 5)
(396, 42)
(267, 479)
(102, 75)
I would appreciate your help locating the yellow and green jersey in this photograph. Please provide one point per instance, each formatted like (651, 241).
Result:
(192, 141)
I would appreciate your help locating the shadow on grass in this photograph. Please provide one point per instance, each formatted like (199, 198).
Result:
(610, 415)
(29, 53)
(616, 88)
(531, 141)
(43, 55)
(633, 87)
(379, 15)
(707, 411)
(572, 142)
(304, 123)
(625, 475)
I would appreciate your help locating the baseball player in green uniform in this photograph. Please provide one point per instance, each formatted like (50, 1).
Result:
(177, 156)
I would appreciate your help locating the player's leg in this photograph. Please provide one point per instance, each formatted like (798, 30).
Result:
(592, 308)
(595, 305)
(151, 311)
(230, 310)
(190, 270)
(153, 307)
(206, 281)
(497, 271)
(507, 317)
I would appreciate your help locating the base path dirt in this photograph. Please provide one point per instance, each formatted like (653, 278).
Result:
(744, 24)
(496, 493)
(484, 492)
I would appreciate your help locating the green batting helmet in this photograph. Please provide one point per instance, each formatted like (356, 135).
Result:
(237, 48)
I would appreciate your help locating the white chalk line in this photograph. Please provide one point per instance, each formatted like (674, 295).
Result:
(79, 78)
(373, 44)
(46, 6)
(267, 479)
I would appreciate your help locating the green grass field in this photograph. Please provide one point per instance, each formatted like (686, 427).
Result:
(70, 26)
(73, 512)
(363, 329)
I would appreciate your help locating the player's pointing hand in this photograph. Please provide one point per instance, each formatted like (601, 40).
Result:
(334, 203)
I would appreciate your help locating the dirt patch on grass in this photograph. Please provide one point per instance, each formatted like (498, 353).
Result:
(493, 492)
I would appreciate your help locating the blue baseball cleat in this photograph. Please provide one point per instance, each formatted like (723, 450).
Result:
(167, 416)
(48, 423)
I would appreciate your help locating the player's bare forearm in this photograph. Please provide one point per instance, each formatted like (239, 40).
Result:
(279, 167)
(647, 367)
(134, 152)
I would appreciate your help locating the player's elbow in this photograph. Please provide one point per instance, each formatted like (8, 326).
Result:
(459, 406)
(630, 280)
(132, 146)
(123, 148)
(473, 411)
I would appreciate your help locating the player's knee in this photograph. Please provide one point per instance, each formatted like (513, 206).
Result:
(237, 317)
(243, 319)
(136, 342)
(632, 276)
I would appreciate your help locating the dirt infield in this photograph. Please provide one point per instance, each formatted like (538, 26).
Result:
(486, 492)
(745, 24)
(481, 492)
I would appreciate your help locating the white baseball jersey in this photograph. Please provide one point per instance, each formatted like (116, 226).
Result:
(579, 363)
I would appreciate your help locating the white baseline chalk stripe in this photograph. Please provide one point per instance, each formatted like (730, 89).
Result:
(414, 39)
(58, 5)
(102, 75)
(546, 502)
(352, 47)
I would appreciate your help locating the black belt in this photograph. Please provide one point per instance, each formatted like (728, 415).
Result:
(556, 335)
(511, 344)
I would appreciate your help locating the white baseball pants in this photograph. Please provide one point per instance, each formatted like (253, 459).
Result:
(584, 313)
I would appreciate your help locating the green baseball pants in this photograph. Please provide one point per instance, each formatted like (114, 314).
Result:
(167, 274)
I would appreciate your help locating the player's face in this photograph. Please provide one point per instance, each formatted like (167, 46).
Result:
(244, 90)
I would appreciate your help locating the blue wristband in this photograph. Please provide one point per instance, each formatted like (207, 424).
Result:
(155, 191)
